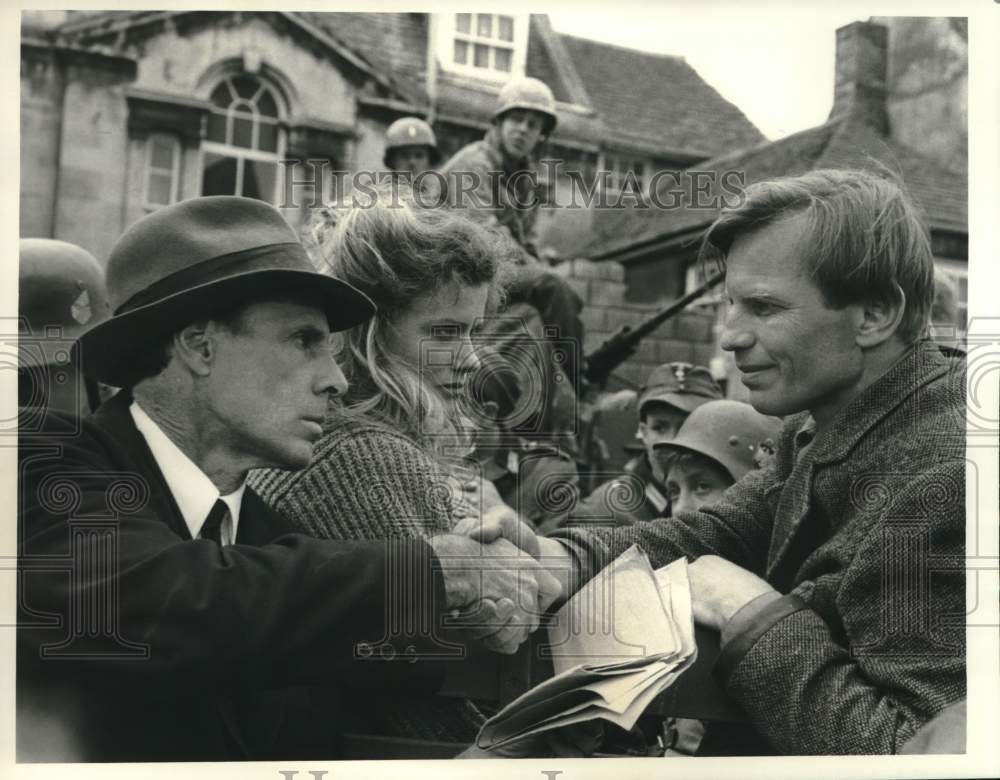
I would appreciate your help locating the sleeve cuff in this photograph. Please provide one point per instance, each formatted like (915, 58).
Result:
(754, 620)
(746, 616)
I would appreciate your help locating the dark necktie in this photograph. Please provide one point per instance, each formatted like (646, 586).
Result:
(212, 529)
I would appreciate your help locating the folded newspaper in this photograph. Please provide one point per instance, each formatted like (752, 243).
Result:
(618, 643)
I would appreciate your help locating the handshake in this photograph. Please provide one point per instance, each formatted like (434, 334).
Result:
(496, 587)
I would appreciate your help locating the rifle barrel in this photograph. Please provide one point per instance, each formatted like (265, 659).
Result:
(603, 360)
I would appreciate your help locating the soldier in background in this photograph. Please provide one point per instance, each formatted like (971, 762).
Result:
(672, 392)
(61, 294)
(410, 147)
(495, 181)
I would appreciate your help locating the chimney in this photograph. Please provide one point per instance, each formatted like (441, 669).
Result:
(860, 85)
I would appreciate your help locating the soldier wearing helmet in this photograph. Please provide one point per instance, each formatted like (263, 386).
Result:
(486, 178)
(61, 295)
(410, 147)
(672, 392)
(715, 447)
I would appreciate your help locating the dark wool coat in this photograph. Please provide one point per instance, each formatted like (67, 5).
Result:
(195, 651)
(866, 533)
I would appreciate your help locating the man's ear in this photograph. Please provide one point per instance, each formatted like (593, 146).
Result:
(880, 320)
(195, 348)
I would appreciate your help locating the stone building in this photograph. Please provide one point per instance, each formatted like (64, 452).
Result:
(899, 104)
(123, 112)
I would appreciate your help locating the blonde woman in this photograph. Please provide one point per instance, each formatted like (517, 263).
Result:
(392, 452)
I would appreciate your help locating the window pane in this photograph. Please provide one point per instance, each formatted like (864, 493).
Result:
(158, 192)
(266, 104)
(506, 32)
(243, 107)
(463, 23)
(503, 59)
(482, 56)
(219, 177)
(242, 132)
(221, 96)
(258, 179)
(161, 153)
(245, 86)
(484, 25)
(461, 52)
(268, 139)
(216, 128)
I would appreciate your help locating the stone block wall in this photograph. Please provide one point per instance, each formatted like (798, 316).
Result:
(688, 336)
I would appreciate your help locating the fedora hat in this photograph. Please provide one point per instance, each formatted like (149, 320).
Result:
(193, 258)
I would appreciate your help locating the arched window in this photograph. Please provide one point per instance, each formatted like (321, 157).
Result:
(244, 140)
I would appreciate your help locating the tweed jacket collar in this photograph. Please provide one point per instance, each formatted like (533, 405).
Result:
(920, 364)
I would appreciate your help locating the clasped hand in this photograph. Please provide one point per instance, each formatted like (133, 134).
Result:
(495, 591)
(719, 588)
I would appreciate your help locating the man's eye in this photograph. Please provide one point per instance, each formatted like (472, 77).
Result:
(762, 308)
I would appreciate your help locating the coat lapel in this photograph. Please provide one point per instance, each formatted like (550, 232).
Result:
(114, 417)
(790, 544)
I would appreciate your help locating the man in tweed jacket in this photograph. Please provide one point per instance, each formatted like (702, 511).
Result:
(835, 576)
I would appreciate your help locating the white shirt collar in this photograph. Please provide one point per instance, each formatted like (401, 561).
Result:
(193, 491)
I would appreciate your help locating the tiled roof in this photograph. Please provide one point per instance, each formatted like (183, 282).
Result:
(394, 44)
(658, 100)
(841, 143)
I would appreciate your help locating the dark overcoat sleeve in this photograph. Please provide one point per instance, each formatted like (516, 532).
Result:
(296, 610)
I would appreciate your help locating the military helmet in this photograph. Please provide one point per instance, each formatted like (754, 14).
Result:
(531, 94)
(731, 433)
(410, 131)
(62, 294)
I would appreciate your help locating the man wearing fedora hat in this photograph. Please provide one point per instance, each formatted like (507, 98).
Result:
(164, 610)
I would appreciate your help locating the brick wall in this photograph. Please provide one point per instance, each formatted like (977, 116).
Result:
(688, 336)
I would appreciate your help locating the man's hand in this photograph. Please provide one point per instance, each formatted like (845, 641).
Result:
(507, 525)
(719, 589)
(500, 522)
(496, 592)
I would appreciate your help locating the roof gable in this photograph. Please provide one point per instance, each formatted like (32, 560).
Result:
(658, 99)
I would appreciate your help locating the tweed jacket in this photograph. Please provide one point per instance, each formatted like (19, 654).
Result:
(137, 643)
(865, 535)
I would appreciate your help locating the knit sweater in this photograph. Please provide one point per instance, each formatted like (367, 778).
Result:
(368, 481)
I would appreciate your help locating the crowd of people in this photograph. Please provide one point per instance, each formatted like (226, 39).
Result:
(309, 483)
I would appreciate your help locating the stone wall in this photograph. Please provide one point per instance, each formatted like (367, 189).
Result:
(688, 336)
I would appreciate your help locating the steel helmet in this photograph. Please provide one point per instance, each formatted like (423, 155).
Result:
(62, 294)
(410, 131)
(528, 93)
(731, 433)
